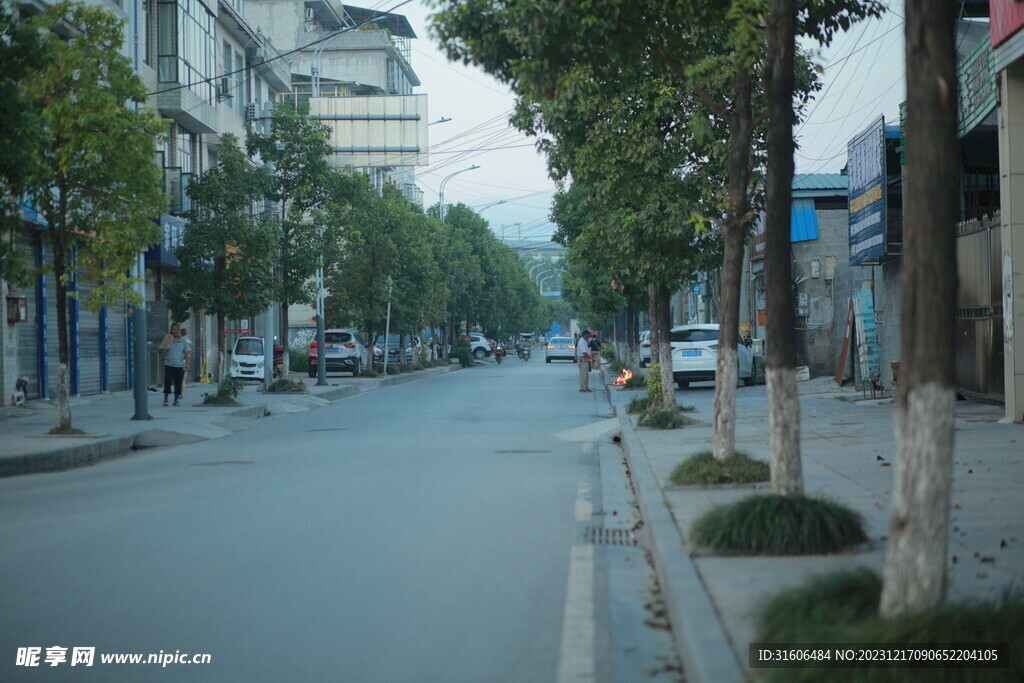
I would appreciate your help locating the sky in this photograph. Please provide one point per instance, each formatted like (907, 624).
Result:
(862, 78)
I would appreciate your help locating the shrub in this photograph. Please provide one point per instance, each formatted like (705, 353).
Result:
(463, 355)
(298, 359)
(703, 470)
(608, 353)
(638, 404)
(637, 381)
(226, 393)
(779, 525)
(842, 607)
(286, 386)
(615, 366)
(661, 418)
(370, 372)
(394, 368)
(654, 382)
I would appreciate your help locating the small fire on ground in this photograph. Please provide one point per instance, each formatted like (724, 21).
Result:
(623, 378)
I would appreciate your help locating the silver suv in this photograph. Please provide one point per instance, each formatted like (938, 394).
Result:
(344, 351)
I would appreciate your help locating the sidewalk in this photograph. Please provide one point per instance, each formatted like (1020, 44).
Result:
(848, 446)
(25, 446)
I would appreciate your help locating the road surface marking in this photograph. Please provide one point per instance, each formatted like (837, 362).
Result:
(576, 657)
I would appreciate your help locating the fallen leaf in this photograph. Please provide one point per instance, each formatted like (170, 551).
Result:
(1002, 543)
(954, 559)
(988, 560)
(970, 471)
(885, 464)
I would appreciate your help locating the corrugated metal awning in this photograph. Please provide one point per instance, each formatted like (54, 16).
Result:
(804, 221)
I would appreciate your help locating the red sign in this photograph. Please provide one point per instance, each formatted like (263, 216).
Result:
(241, 330)
(1007, 19)
(845, 353)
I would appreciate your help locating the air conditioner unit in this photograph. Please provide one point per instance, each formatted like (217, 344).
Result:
(224, 90)
(251, 113)
(310, 16)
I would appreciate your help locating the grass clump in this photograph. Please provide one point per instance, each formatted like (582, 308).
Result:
(370, 372)
(779, 525)
(652, 381)
(286, 386)
(66, 431)
(638, 404)
(637, 381)
(702, 469)
(298, 360)
(661, 418)
(608, 353)
(227, 391)
(843, 608)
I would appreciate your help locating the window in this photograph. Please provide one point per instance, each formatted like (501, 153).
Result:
(694, 335)
(239, 91)
(185, 46)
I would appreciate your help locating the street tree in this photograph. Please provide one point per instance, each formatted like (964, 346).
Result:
(914, 577)
(298, 148)
(227, 257)
(21, 52)
(93, 179)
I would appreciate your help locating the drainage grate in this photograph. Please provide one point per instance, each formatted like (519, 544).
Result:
(223, 462)
(604, 417)
(514, 451)
(602, 536)
(329, 429)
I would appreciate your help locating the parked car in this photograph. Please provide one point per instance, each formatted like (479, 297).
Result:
(480, 346)
(560, 348)
(344, 351)
(695, 355)
(645, 348)
(247, 358)
(393, 341)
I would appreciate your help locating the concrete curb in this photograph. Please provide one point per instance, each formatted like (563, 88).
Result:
(697, 628)
(98, 450)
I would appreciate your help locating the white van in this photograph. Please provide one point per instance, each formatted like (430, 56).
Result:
(247, 358)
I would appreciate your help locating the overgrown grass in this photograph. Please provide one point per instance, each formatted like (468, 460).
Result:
(286, 386)
(608, 353)
(616, 366)
(219, 400)
(370, 372)
(227, 391)
(701, 469)
(638, 404)
(66, 431)
(661, 418)
(637, 381)
(779, 525)
(298, 359)
(843, 608)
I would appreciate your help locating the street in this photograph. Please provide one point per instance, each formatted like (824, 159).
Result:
(426, 532)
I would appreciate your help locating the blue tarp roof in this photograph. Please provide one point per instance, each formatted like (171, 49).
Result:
(803, 224)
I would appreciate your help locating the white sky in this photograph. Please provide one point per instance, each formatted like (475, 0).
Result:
(863, 78)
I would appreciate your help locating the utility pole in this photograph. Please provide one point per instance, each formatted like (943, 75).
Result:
(140, 373)
(321, 352)
(387, 329)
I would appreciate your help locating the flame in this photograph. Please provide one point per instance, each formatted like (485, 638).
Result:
(623, 378)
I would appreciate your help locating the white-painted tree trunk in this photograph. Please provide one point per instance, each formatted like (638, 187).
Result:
(784, 431)
(63, 404)
(726, 378)
(922, 486)
(668, 389)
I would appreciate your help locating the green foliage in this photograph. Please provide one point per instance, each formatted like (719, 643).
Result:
(661, 418)
(702, 469)
(227, 392)
(638, 404)
(842, 608)
(615, 366)
(608, 353)
(298, 359)
(227, 258)
(637, 381)
(653, 378)
(370, 372)
(779, 525)
(463, 355)
(21, 53)
(287, 386)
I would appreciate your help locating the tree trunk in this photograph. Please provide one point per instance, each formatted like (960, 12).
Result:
(222, 339)
(741, 128)
(283, 334)
(63, 344)
(401, 349)
(631, 336)
(668, 392)
(780, 366)
(915, 562)
(652, 319)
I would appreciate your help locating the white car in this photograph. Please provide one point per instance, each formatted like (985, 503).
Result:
(344, 351)
(560, 348)
(247, 358)
(695, 355)
(645, 348)
(480, 345)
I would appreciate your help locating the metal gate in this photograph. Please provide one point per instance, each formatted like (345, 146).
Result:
(979, 313)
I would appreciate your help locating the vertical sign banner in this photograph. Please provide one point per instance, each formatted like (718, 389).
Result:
(866, 164)
(977, 90)
(868, 355)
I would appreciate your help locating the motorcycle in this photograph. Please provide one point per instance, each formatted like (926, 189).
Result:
(524, 353)
(278, 361)
(499, 354)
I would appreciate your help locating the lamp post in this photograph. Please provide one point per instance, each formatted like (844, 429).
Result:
(542, 263)
(444, 182)
(541, 282)
(480, 211)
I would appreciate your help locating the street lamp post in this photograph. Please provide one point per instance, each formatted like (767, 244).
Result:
(444, 182)
(541, 282)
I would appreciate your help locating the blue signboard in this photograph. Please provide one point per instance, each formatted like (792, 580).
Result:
(866, 164)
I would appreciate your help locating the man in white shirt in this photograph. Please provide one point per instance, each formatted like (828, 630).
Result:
(583, 360)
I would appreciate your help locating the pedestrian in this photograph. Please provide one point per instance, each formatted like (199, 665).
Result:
(176, 353)
(583, 360)
(188, 350)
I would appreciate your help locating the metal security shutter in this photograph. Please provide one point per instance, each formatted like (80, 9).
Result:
(116, 347)
(52, 340)
(89, 346)
(28, 354)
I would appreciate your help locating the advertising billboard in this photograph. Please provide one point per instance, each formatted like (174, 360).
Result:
(377, 130)
(866, 164)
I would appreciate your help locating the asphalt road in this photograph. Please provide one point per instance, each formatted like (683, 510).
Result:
(419, 533)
